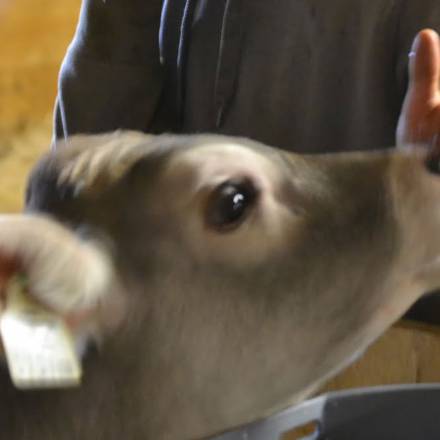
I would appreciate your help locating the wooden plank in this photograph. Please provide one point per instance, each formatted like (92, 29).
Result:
(34, 35)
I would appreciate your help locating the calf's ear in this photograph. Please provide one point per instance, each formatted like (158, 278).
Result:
(84, 164)
(90, 163)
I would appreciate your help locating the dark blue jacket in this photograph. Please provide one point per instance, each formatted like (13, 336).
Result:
(306, 75)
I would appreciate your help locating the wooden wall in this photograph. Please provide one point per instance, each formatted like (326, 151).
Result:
(34, 35)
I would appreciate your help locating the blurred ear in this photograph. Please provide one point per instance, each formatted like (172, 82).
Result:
(84, 164)
(92, 162)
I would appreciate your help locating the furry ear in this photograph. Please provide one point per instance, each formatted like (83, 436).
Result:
(89, 163)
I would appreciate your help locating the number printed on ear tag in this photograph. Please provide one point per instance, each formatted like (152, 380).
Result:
(39, 348)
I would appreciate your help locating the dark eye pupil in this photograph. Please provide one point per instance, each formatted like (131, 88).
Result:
(229, 204)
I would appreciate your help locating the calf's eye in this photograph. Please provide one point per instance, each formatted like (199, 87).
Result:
(229, 204)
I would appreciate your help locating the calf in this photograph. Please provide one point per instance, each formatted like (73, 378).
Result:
(222, 280)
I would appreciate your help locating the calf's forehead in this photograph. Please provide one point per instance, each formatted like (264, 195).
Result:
(215, 162)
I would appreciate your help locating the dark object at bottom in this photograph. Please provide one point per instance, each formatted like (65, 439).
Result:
(403, 412)
(426, 310)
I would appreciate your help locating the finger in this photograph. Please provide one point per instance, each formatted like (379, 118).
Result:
(424, 68)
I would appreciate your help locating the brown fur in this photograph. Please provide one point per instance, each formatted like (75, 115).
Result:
(220, 329)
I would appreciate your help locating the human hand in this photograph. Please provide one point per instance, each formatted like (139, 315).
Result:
(419, 120)
(65, 274)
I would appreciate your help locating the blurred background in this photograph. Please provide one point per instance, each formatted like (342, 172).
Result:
(34, 35)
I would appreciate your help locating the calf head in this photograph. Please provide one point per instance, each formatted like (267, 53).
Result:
(246, 276)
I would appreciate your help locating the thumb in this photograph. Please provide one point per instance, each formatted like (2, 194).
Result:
(424, 70)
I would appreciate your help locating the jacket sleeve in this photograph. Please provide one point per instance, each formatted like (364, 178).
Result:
(111, 76)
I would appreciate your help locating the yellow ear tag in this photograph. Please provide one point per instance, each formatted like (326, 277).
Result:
(39, 347)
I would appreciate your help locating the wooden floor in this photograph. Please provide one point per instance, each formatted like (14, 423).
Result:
(34, 35)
